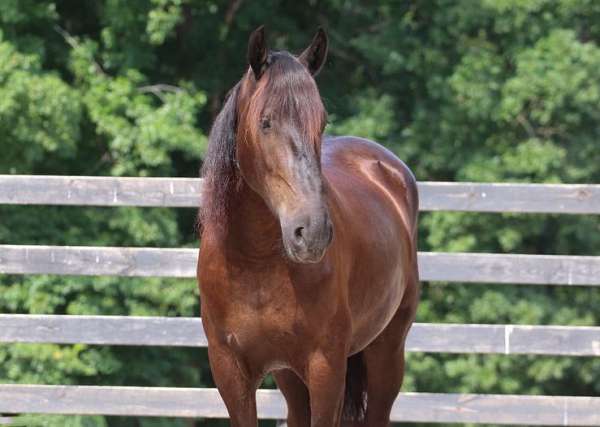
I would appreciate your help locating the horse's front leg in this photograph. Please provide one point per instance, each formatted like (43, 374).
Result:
(236, 385)
(326, 378)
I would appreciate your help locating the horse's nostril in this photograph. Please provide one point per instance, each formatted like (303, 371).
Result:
(298, 233)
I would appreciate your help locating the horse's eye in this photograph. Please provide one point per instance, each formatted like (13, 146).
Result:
(265, 124)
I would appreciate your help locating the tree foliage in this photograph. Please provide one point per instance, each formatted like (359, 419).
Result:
(487, 90)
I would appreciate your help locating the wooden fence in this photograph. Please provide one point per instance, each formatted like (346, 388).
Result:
(162, 262)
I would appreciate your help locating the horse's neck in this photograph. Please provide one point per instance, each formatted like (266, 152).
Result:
(253, 232)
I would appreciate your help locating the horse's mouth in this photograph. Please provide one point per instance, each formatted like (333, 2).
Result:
(305, 257)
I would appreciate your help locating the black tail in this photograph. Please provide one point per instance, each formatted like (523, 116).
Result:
(355, 399)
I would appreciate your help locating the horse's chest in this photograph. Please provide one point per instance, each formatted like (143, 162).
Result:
(263, 313)
(253, 314)
(264, 337)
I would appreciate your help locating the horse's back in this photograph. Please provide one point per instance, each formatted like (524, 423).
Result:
(374, 199)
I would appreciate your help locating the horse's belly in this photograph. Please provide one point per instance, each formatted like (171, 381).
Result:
(373, 316)
(375, 195)
(378, 278)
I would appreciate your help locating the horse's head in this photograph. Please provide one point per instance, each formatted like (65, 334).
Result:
(278, 142)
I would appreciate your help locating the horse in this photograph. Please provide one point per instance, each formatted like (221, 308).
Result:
(307, 266)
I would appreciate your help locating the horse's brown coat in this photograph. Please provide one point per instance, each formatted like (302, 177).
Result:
(263, 312)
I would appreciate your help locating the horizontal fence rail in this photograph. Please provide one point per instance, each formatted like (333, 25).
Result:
(517, 198)
(163, 262)
(188, 332)
(206, 403)
(186, 192)
(99, 191)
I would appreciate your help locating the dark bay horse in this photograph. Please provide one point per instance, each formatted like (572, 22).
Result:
(308, 263)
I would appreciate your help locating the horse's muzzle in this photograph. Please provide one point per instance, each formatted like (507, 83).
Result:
(307, 236)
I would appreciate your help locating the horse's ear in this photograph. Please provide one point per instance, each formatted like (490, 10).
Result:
(257, 51)
(314, 56)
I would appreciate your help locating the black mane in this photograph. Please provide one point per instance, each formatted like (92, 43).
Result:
(219, 168)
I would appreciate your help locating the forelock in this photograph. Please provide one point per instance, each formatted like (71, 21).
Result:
(289, 92)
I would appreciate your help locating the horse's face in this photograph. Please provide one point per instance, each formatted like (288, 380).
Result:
(281, 122)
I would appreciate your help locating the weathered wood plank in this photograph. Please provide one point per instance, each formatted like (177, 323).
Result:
(504, 339)
(98, 261)
(189, 402)
(504, 197)
(99, 191)
(510, 268)
(105, 330)
(162, 262)
(186, 192)
(497, 409)
(188, 332)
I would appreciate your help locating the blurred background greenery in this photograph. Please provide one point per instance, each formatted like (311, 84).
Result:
(471, 90)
